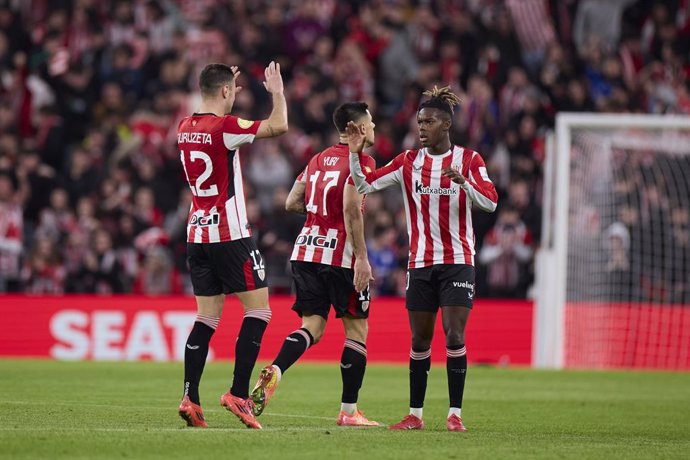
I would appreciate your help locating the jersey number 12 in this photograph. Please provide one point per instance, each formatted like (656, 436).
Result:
(198, 189)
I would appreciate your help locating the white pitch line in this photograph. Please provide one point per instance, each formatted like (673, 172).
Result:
(315, 417)
(163, 430)
(113, 406)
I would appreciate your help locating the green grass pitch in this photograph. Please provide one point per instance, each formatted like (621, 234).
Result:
(129, 410)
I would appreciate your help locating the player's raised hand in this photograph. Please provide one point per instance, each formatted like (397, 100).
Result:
(274, 81)
(363, 274)
(453, 175)
(356, 136)
(236, 73)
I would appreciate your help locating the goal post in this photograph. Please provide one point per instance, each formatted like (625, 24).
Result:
(613, 271)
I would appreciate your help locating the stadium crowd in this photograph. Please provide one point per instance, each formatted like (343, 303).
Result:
(92, 193)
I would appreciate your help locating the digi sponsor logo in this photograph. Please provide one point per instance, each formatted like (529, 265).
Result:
(319, 241)
(421, 189)
(205, 221)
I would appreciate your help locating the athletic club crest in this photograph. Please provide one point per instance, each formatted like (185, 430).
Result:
(262, 273)
(457, 168)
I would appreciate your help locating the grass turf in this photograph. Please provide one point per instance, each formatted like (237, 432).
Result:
(129, 410)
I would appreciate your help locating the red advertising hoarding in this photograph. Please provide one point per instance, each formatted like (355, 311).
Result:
(156, 328)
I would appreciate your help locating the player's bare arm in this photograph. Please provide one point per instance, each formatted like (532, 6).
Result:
(277, 122)
(354, 225)
(295, 200)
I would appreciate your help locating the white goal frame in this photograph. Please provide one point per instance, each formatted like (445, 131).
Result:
(548, 336)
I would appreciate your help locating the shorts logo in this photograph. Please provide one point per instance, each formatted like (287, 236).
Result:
(470, 294)
(365, 305)
(205, 221)
(463, 284)
(319, 241)
(244, 124)
(262, 274)
(407, 281)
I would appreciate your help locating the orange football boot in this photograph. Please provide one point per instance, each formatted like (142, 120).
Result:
(242, 408)
(356, 419)
(454, 423)
(408, 423)
(192, 413)
(264, 389)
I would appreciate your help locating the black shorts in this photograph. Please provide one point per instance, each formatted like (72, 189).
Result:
(319, 286)
(224, 268)
(439, 286)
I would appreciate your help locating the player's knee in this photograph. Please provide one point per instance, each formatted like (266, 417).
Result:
(455, 337)
(316, 334)
(315, 325)
(263, 314)
(357, 330)
(421, 342)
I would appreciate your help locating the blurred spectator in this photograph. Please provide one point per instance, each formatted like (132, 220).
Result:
(383, 259)
(100, 273)
(44, 272)
(534, 29)
(599, 20)
(277, 240)
(506, 249)
(158, 275)
(91, 94)
(10, 235)
(618, 271)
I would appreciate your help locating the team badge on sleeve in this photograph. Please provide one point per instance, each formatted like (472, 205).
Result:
(244, 124)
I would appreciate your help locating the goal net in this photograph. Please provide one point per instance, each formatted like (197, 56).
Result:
(613, 275)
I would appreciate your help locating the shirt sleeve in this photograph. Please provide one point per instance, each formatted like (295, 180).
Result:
(368, 166)
(237, 131)
(378, 179)
(479, 187)
(302, 176)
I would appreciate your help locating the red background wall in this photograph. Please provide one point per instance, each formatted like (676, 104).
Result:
(129, 327)
(627, 335)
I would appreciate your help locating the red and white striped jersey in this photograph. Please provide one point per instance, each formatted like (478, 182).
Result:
(323, 238)
(439, 217)
(211, 162)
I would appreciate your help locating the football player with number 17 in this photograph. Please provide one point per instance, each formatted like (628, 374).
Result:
(329, 265)
(222, 256)
(439, 183)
